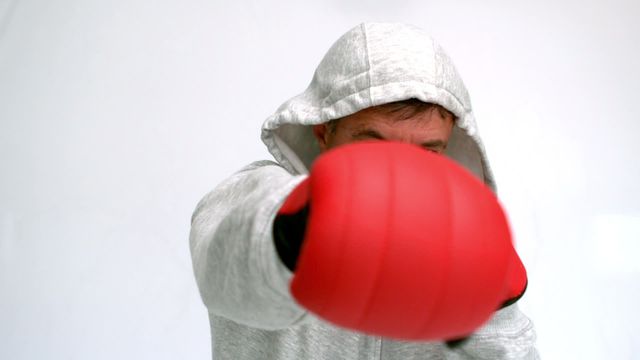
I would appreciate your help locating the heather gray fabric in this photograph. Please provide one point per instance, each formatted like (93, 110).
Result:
(370, 65)
(240, 277)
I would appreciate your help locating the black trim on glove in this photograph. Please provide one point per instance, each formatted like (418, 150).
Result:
(515, 299)
(452, 344)
(288, 235)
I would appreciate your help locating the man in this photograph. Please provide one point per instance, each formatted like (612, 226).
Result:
(377, 82)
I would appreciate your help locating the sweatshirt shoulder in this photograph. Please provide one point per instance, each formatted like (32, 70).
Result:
(256, 176)
(261, 164)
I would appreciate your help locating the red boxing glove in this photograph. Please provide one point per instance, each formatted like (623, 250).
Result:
(402, 243)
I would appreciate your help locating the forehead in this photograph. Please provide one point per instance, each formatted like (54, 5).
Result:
(393, 118)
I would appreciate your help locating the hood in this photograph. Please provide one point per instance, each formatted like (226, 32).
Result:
(374, 64)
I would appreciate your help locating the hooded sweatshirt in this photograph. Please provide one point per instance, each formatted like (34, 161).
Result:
(241, 279)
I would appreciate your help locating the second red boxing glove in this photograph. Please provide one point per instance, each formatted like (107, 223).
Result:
(398, 242)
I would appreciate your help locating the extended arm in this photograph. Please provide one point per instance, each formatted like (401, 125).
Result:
(236, 265)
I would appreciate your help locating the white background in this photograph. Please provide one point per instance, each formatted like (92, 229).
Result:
(117, 116)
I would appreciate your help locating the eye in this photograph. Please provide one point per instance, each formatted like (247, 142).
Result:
(435, 151)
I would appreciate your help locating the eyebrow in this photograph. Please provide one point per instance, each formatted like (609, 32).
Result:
(367, 133)
(434, 144)
(371, 133)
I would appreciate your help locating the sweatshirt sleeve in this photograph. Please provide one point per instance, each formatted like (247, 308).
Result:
(508, 335)
(238, 272)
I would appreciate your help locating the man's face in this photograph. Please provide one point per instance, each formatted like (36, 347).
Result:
(430, 129)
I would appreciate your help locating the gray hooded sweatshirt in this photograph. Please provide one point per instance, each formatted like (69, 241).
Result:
(243, 283)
